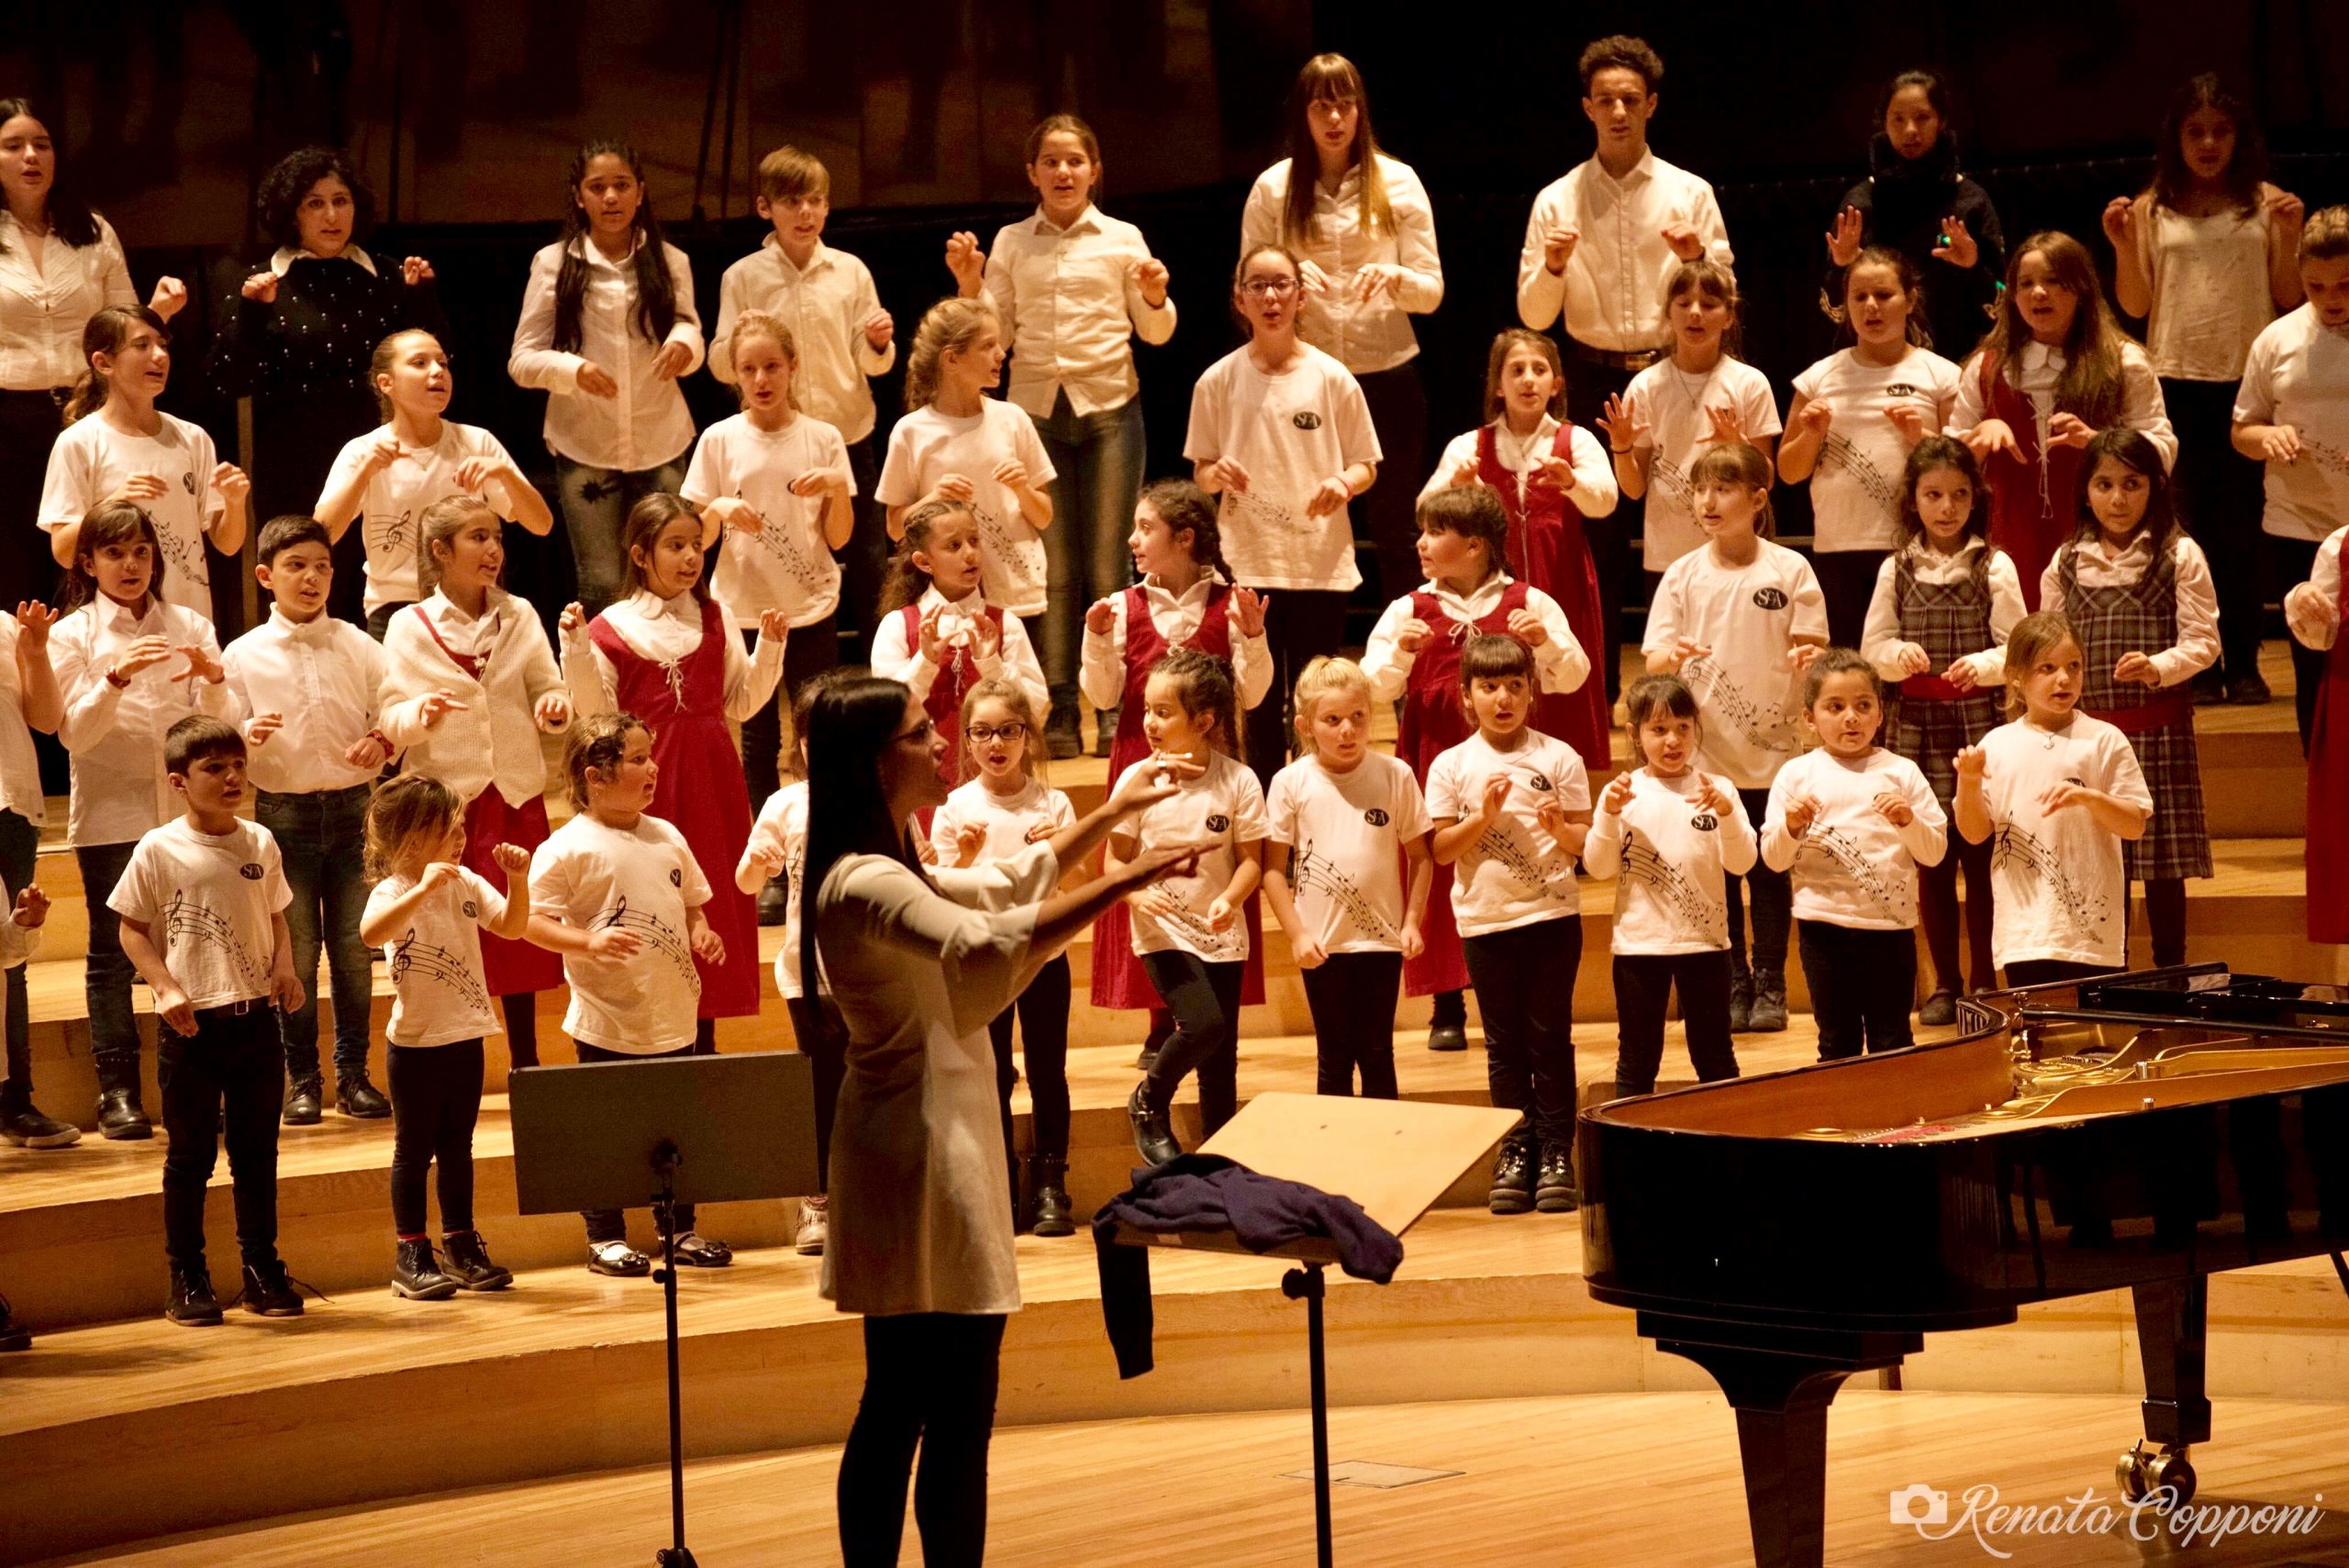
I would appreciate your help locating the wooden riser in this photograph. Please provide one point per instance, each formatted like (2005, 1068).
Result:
(352, 1402)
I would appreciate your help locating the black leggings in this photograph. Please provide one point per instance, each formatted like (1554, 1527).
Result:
(436, 1099)
(2293, 559)
(1643, 984)
(521, 1010)
(1862, 984)
(1352, 998)
(2219, 497)
(611, 1224)
(1309, 624)
(1769, 895)
(822, 1039)
(1205, 1000)
(2165, 919)
(1525, 992)
(930, 1379)
(1397, 401)
(1937, 907)
(1043, 1011)
(1847, 578)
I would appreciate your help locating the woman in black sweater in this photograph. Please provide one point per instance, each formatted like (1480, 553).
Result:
(298, 335)
(1918, 201)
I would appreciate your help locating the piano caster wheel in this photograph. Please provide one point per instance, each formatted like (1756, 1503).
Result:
(2168, 1476)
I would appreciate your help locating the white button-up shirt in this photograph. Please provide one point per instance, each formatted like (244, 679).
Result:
(647, 423)
(322, 676)
(45, 303)
(1559, 664)
(1067, 298)
(825, 304)
(2101, 566)
(667, 632)
(1362, 336)
(1612, 292)
(1175, 616)
(115, 733)
(19, 769)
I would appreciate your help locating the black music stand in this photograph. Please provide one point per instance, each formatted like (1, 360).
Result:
(683, 1129)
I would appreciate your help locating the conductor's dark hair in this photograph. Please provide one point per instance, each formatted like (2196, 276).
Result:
(850, 726)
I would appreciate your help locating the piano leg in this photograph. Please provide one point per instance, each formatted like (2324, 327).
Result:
(2172, 1328)
(1780, 1384)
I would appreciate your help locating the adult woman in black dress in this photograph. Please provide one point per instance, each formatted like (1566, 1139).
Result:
(298, 335)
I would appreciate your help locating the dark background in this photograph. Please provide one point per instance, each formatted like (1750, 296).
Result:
(464, 117)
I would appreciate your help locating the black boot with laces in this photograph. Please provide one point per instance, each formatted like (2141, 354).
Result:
(417, 1276)
(193, 1304)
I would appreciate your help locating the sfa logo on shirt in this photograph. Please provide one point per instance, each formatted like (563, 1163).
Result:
(1538, 782)
(1704, 822)
(250, 871)
(1306, 419)
(1376, 816)
(472, 909)
(1218, 823)
(1770, 598)
(676, 876)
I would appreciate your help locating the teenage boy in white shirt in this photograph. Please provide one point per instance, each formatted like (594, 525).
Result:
(305, 688)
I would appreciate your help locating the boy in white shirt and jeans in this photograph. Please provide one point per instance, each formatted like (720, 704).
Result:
(305, 688)
(202, 906)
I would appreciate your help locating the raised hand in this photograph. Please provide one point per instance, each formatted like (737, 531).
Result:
(436, 707)
(2119, 221)
(1972, 763)
(1147, 783)
(1247, 607)
(1683, 240)
(1558, 246)
(2288, 214)
(1709, 797)
(1909, 420)
(262, 726)
(1149, 275)
(2138, 668)
(201, 664)
(1726, 425)
(1894, 809)
(1802, 810)
(1623, 429)
(415, 270)
(986, 639)
(1683, 650)
(766, 856)
(969, 840)
(1616, 796)
(1226, 473)
(879, 328)
(235, 487)
(1815, 415)
(929, 642)
(573, 620)
(1495, 799)
(1101, 617)
(596, 380)
(773, 625)
(1327, 496)
(1527, 628)
(170, 297)
(261, 288)
(551, 711)
(1844, 239)
(965, 261)
(34, 617)
(1803, 656)
(1958, 248)
(1413, 634)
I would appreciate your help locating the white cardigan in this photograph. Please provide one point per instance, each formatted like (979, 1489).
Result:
(495, 739)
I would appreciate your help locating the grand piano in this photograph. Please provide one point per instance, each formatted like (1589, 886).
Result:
(2142, 1130)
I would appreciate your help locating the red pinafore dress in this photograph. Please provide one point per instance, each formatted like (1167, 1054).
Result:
(1117, 978)
(2031, 504)
(508, 967)
(1547, 550)
(2328, 840)
(700, 790)
(951, 685)
(1434, 721)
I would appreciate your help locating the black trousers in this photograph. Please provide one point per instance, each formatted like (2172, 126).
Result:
(1043, 1014)
(1937, 908)
(1588, 387)
(1301, 628)
(611, 1224)
(19, 854)
(930, 1381)
(232, 1065)
(808, 652)
(30, 423)
(2219, 497)
(821, 1037)
(2165, 919)
(1397, 400)
(1862, 984)
(1203, 999)
(1352, 996)
(2053, 970)
(2294, 558)
(1525, 991)
(436, 1100)
(1847, 578)
(1769, 895)
(864, 559)
(1643, 984)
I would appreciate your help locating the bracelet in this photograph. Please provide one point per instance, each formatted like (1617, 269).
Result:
(1620, 451)
(117, 680)
(381, 739)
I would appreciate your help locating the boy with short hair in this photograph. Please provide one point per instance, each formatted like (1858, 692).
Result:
(304, 688)
(826, 297)
(202, 903)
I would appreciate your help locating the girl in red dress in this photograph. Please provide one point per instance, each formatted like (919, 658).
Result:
(668, 654)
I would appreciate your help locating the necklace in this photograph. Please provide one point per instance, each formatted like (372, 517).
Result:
(1696, 400)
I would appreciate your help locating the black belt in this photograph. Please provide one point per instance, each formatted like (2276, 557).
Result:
(233, 1009)
(1637, 359)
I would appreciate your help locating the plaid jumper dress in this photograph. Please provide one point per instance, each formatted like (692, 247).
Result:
(1932, 720)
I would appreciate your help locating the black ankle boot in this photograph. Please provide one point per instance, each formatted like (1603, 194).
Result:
(1513, 1175)
(1153, 1136)
(193, 1304)
(355, 1097)
(417, 1276)
(465, 1259)
(1055, 1214)
(1448, 1024)
(269, 1290)
(120, 1117)
(305, 1099)
(22, 1124)
(14, 1336)
(1555, 1189)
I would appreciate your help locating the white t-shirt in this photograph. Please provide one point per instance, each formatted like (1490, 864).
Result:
(1012, 822)
(2298, 374)
(1854, 868)
(91, 460)
(438, 994)
(926, 446)
(1673, 858)
(1346, 834)
(1671, 403)
(391, 509)
(207, 901)
(2061, 889)
(785, 565)
(1222, 805)
(1855, 489)
(1290, 431)
(782, 823)
(1515, 873)
(1749, 696)
(644, 879)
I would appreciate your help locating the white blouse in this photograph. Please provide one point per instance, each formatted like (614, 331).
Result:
(1880, 641)
(1176, 617)
(647, 423)
(1069, 305)
(2101, 566)
(2039, 367)
(667, 631)
(45, 303)
(1594, 494)
(1364, 336)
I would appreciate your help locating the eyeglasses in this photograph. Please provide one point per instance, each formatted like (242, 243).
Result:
(1276, 288)
(982, 733)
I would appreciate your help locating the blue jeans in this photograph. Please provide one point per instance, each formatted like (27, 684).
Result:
(1098, 461)
(19, 849)
(105, 979)
(595, 503)
(318, 837)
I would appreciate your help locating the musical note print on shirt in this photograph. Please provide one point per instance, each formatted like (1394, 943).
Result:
(657, 933)
(391, 541)
(1317, 871)
(1645, 864)
(1840, 848)
(182, 559)
(1840, 452)
(1726, 702)
(431, 961)
(1172, 910)
(1672, 480)
(777, 541)
(2325, 455)
(1018, 563)
(207, 927)
(1245, 511)
(2084, 911)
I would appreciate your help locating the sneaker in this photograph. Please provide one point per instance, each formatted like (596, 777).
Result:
(1741, 1001)
(14, 1335)
(1554, 1190)
(193, 1304)
(1154, 1138)
(815, 1225)
(2248, 690)
(1940, 1009)
(698, 1252)
(617, 1259)
(1513, 1177)
(417, 1276)
(304, 1100)
(120, 1117)
(269, 1290)
(774, 903)
(355, 1097)
(23, 1124)
(1767, 1012)
(464, 1258)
